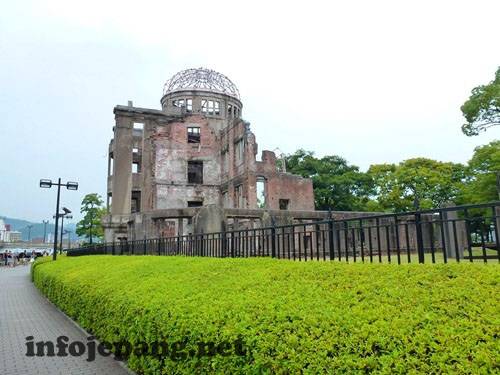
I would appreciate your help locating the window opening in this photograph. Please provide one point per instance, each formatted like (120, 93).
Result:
(195, 172)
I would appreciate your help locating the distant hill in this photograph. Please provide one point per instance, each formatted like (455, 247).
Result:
(37, 229)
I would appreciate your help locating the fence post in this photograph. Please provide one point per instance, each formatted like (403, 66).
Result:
(496, 213)
(224, 244)
(144, 246)
(113, 248)
(455, 232)
(330, 234)
(232, 243)
(420, 241)
(273, 237)
(202, 244)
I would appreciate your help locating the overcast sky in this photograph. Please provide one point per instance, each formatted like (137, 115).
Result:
(371, 81)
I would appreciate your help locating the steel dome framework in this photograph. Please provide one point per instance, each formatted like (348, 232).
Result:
(201, 79)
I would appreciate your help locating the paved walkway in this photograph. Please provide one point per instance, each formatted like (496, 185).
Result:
(25, 312)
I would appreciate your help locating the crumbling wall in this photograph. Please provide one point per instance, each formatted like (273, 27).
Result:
(295, 191)
(172, 153)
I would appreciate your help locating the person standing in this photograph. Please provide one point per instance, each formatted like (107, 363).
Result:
(10, 260)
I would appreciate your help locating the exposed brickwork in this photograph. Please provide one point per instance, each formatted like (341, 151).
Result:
(152, 161)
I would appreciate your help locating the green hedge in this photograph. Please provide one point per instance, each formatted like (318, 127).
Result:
(292, 317)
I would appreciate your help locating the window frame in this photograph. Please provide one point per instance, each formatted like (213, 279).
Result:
(195, 136)
(190, 166)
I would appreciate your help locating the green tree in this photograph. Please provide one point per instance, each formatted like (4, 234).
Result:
(482, 109)
(432, 182)
(90, 225)
(337, 185)
(482, 169)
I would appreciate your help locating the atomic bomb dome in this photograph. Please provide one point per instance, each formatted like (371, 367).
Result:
(201, 79)
(165, 165)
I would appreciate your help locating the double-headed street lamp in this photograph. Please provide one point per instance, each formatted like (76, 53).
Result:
(47, 184)
(45, 222)
(66, 215)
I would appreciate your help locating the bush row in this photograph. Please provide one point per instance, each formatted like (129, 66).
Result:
(259, 316)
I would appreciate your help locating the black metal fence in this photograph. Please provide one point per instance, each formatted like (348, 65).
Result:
(439, 235)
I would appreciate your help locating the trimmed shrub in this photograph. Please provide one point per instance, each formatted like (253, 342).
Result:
(283, 317)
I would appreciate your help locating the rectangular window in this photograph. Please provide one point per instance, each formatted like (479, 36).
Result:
(195, 172)
(135, 168)
(174, 103)
(241, 150)
(138, 126)
(238, 191)
(204, 105)
(284, 203)
(180, 102)
(261, 192)
(111, 165)
(229, 110)
(136, 201)
(210, 107)
(226, 161)
(217, 108)
(195, 203)
(194, 135)
(189, 105)
(225, 202)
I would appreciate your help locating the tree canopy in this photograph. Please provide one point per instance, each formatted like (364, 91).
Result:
(337, 185)
(482, 109)
(341, 186)
(483, 168)
(90, 225)
(431, 182)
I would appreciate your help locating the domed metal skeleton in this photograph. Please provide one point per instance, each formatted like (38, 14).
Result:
(201, 79)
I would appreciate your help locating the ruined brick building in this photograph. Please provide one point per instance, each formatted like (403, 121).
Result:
(165, 164)
(192, 167)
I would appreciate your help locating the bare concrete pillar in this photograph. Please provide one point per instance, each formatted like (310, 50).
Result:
(180, 227)
(122, 167)
(454, 233)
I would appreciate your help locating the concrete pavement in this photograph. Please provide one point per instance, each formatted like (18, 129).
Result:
(25, 312)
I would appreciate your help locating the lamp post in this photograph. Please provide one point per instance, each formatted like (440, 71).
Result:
(45, 222)
(69, 237)
(66, 214)
(29, 232)
(47, 184)
(62, 216)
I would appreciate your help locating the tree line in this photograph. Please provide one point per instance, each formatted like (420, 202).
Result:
(414, 183)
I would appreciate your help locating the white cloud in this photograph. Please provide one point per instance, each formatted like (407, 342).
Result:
(371, 81)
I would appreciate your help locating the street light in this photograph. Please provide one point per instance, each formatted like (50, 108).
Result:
(47, 184)
(29, 232)
(62, 216)
(69, 237)
(62, 225)
(45, 222)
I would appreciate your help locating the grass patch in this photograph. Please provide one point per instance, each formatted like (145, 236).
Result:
(292, 317)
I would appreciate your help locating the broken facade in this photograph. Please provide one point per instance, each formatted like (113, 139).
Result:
(196, 151)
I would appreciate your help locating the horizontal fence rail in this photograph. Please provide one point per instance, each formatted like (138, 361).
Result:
(464, 233)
